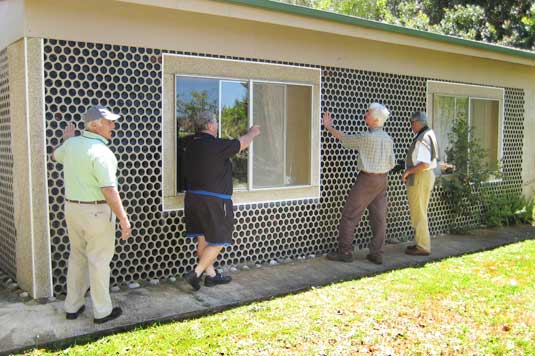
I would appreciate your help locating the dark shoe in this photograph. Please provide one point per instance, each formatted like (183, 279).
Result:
(72, 316)
(340, 257)
(412, 247)
(378, 260)
(193, 280)
(115, 313)
(217, 279)
(417, 252)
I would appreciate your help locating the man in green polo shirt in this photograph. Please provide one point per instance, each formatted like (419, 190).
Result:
(92, 202)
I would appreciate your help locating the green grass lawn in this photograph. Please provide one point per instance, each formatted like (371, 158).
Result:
(481, 304)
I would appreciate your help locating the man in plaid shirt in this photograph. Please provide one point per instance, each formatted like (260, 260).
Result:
(376, 158)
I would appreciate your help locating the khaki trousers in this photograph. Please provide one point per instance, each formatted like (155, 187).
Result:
(418, 196)
(92, 239)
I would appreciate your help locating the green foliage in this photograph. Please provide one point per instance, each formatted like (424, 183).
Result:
(505, 22)
(234, 124)
(508, 209)
(467, 22)
(186, 110)
(463, 188)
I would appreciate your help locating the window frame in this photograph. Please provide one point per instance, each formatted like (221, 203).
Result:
(471, 92)
(175, 66)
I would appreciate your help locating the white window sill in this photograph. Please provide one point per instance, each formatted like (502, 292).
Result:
(172, 203)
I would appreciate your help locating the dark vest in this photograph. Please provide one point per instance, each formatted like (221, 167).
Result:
(420, 138)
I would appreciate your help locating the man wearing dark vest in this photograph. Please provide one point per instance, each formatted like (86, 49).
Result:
(208, 200)
(419, 176)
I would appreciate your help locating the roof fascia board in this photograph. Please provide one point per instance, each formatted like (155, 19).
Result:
(317, 20)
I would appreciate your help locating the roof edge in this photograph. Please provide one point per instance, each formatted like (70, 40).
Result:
(376, 25)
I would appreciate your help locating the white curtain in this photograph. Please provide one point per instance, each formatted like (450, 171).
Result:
(484, 119)
(269, 148)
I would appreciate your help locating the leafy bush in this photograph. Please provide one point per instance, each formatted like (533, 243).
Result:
(508, 209)
(463, 188)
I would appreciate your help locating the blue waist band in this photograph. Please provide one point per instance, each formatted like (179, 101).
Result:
(217, 195)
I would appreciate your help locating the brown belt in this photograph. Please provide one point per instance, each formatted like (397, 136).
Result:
(86, 202)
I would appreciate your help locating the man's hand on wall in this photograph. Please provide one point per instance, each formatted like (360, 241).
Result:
(69, 131)
(327, 119)
(254, 130)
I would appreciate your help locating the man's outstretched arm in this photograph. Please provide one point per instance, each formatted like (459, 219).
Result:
(327, 122)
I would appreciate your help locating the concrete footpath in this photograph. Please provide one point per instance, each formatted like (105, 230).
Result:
(27, 324)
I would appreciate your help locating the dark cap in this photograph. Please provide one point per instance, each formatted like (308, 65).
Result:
(99, 112)
(419, 116)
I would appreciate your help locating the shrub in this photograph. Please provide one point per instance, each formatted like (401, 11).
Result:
(507, 209)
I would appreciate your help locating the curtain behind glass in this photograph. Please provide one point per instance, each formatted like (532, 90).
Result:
(298, 141)
(269, 147)
(282, 152)
(484, 119)
(443, 118)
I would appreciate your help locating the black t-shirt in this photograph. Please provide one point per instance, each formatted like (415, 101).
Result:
(207, 165)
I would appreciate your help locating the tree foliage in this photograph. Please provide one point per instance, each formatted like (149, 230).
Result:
(505, 22)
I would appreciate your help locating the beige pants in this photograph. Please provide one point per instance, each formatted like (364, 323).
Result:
(92, 239)
(418, 196)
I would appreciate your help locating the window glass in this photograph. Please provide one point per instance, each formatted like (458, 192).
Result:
(234, 123)
(443, 118)
(282, 152)
(484, 119)
(193, 95)
(481, 114)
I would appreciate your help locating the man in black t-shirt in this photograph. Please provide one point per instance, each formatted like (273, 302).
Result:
(208, 200)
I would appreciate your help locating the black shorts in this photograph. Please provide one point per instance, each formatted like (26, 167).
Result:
(209, 216)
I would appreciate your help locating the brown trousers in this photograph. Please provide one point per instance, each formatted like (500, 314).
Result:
(369, 191)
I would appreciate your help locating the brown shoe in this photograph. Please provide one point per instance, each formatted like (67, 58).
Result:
(340, 257)
(377, 259)
(417, 252)
(412, 247)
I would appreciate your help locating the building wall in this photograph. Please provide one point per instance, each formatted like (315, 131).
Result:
(204, 26)
(128, 80)
(7, 218)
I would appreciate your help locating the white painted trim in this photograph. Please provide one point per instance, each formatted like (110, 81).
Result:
(240, 61)
(164, 128)
(486, 87)
(285, 136)
(234, 203)
(251, 146)
(275, 201)
(220, 85)
(45, 170)
(28, 152)
(500, 98)
(313, 178)
(318, 180)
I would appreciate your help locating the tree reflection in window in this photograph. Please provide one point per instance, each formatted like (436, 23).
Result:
(194, 95)
(234, 123)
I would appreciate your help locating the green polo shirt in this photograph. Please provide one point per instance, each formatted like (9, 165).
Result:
(88, 165)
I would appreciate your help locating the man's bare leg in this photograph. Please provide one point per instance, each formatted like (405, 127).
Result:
(201, 247)
(208, 257)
